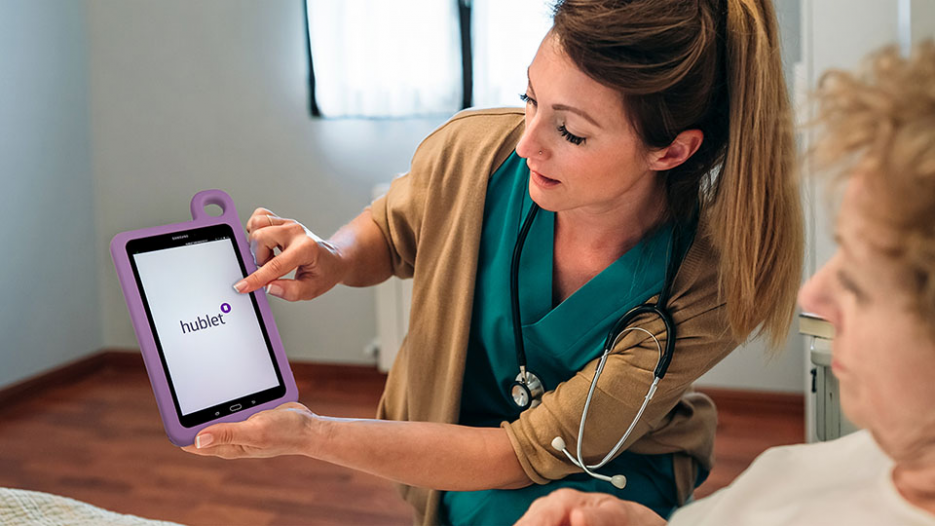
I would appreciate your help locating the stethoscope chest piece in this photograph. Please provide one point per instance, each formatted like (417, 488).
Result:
(527, 392)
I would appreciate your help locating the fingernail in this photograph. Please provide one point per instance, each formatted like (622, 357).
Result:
(275, 290)
(241, 285)
(203, 440)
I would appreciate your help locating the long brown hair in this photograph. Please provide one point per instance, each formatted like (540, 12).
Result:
(712, 65)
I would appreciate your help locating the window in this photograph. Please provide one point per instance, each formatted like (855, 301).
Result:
(374, 58)
(507, 34)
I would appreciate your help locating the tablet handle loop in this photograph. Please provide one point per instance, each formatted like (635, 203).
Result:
(213, 197)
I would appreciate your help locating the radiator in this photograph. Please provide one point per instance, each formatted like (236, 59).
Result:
(824, 418)
(393, 298)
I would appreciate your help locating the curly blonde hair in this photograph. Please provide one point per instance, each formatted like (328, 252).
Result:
(880, 123)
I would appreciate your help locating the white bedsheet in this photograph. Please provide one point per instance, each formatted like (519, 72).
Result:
(22, 507)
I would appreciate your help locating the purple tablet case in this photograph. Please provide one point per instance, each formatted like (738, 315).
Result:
(179, 434)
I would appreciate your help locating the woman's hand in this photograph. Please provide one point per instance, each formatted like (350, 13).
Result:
(568, 506)
(424, 454)
(286, 430)
(317, 263)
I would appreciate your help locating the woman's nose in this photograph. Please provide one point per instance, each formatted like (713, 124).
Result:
(529, 145)
(815, 296)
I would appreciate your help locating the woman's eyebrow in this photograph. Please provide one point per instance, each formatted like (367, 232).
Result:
(848, 283)
(565, 107)
(843, 277)
(839, 240)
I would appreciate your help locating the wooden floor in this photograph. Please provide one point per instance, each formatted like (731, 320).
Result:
(99, 440)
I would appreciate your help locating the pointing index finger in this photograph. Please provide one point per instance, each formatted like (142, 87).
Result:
(275, 268)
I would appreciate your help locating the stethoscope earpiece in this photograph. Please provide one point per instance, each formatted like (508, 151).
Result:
(558, 443)
(619, 481)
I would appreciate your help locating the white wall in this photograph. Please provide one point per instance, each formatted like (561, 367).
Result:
(921, 19)
(213, 94)
(833, 43)
(48, 274)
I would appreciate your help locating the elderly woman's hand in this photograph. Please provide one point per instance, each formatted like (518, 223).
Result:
(568, 506)
(317, 263)
(287, 430)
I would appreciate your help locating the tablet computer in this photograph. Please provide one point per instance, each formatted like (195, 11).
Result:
(212, 354)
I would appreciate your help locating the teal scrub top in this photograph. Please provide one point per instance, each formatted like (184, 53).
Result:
(560, 340)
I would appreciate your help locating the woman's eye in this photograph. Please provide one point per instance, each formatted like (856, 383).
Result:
(527, 99)
(851, 287)
(570, 137)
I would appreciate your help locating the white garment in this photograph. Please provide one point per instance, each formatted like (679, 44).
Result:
(847, 481)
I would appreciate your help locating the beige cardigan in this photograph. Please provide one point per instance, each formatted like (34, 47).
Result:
(431, 219)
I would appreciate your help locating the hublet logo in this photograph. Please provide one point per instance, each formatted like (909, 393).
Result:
(207, 322)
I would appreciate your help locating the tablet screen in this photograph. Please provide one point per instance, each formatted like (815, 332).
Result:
(214, 346)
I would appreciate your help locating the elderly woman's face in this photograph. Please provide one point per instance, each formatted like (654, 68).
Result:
(882, 355)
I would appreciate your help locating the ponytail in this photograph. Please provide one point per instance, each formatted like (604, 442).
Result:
(756, 209)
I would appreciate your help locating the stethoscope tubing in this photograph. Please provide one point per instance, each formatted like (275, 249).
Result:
(619, 329)
(587, 404)
(514, 289)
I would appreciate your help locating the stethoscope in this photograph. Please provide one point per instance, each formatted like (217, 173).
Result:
(527, 389)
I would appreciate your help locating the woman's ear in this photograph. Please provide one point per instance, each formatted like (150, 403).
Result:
(684, 146)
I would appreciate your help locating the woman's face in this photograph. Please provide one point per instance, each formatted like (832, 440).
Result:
(581, 150)
(883, 356)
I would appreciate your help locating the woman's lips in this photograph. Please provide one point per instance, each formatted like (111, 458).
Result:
(542, 180)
